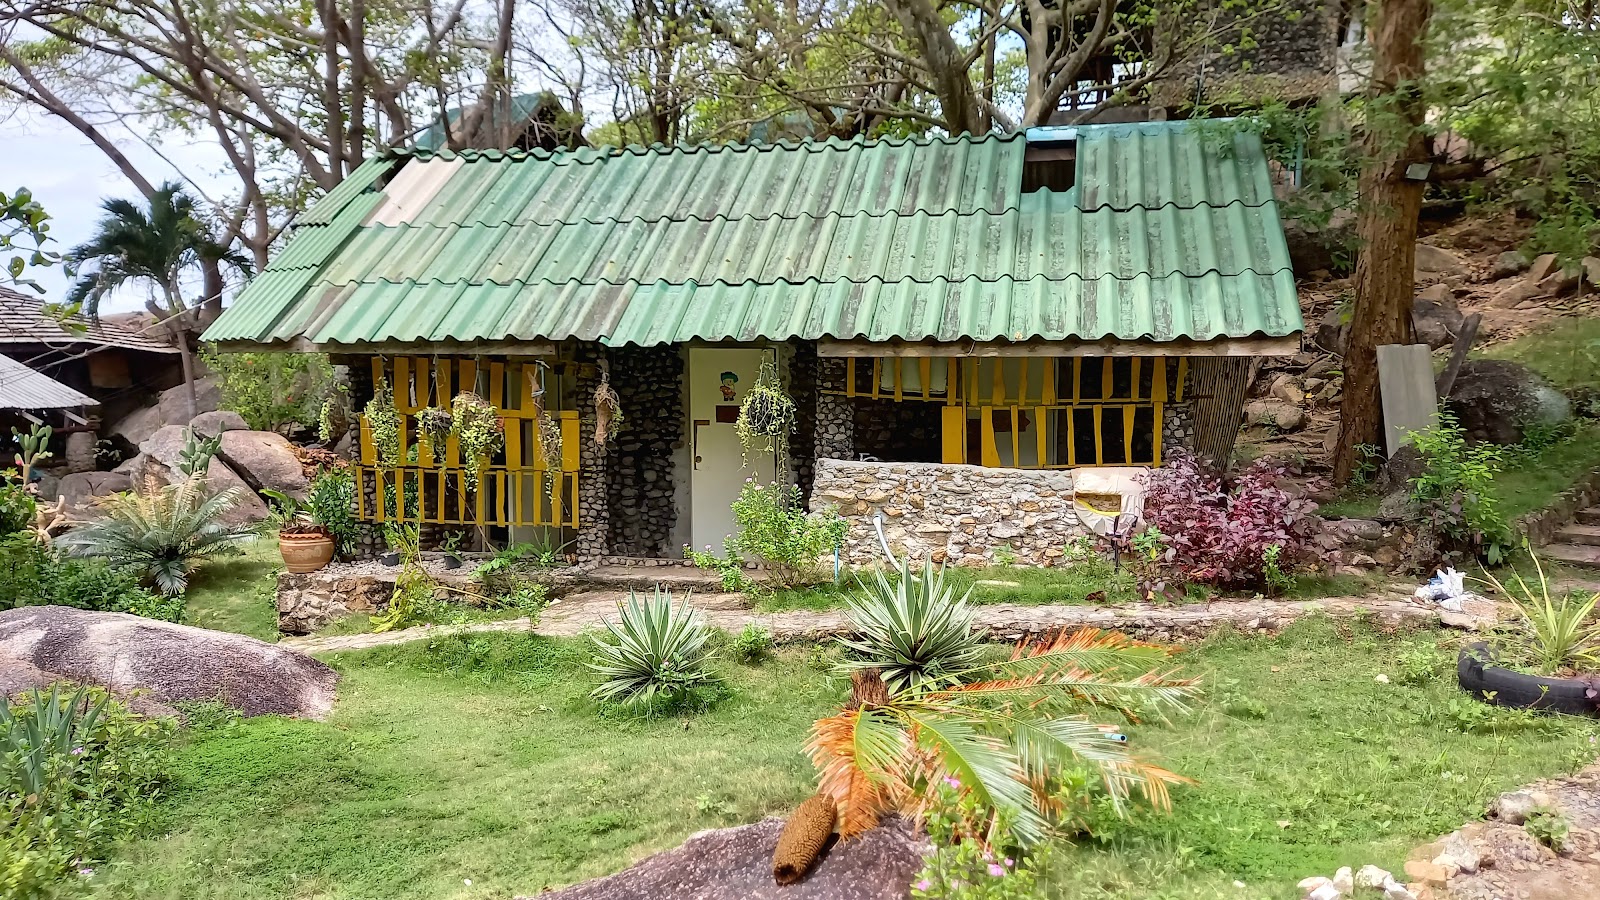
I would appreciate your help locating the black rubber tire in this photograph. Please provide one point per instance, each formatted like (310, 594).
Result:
(1478, 676)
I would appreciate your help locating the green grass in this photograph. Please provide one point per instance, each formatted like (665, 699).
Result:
(481, 758)
(1532, 483)
(234, 593)
(1567, 353)
(992, 584)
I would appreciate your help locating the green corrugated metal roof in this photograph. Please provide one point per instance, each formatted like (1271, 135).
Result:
(909, 240)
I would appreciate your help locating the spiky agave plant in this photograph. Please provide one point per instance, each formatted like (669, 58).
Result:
(1005, 731)
(163, 534)
(1558, 632)
(912, 629)
(660, 651)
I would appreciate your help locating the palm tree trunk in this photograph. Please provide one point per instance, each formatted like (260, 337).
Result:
(177, 323)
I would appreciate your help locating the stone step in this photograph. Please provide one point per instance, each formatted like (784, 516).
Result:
(1579, 534)
(643, 578)
(1590, 516)
(1584, 555)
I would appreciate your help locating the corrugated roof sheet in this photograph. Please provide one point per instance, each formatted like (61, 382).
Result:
(23, 388)
(909, 240)
(23, 321)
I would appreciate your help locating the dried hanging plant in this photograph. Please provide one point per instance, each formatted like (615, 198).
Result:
(607, 411)
(436, 424)
(479, 431)
(384, 423)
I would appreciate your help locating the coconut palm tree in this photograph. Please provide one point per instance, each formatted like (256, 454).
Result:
(156, 245)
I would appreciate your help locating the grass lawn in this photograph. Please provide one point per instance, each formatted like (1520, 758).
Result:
(481, 759)
(1567, 353)
(234, 593)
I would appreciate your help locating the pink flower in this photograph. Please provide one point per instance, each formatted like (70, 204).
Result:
(995, 870)
(952, 782)
(922, 885)
(1010, 862)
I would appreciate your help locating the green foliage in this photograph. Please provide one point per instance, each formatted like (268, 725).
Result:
(273, 391)
(195, 457)
(774, 528)
(766, 415)
(527, 598)
(479, 431)
(658, 653)
(1419, 663)
(17, 509)
(76, 770)
(383, 423)
(964, 866)
(24, 227)
(912, 629)
(330, 499)
(162, 535)
(1548, 827)
(1278, 582)
(436, 424)
(1456, 489)
(1555, 635)
(32, 574)
(753, 645)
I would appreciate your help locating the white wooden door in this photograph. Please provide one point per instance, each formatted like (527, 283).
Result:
(718, 379)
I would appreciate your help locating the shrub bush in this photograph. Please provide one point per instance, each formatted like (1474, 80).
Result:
(1456, 491)
(272, 390)
(17, 509)
(752, 645)
(1220, 534)
(775, 529)
(659, 653)
(75, 771)
(330, 498)
(32, 574)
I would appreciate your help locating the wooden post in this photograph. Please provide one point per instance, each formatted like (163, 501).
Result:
(1458, 356)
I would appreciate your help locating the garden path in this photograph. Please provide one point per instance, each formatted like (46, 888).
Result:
(578, 612)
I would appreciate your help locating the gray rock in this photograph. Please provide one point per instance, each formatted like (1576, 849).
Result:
(168, 662)
(1514, 807)
(1508, 264)
(1542, 267)
(1275, 413)
(1287, 388)
(1344, 880)
(1394, 890)
(265, 460)
(736, 864)
(1436, 261)
(1397, 507)
(1495, 399)
(157, 464)
(211, 424)
(80, 488)
(1459, 852)
(1397, 472)
(1437, 324)
(1372, 877)
(171, 408)
(1331, 332)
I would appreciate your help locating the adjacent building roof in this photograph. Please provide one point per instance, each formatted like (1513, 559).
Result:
(23, 388)
(1169, 233)
(24, 320)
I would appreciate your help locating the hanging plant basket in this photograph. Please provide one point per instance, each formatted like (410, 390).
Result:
(607, 411)
(436, 424)
(383, 421)
(479, 431)
(767, 415)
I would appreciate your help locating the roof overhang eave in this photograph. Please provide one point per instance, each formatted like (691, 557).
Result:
(1286, 345)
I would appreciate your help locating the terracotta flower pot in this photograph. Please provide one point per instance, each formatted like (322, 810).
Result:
(305, 552)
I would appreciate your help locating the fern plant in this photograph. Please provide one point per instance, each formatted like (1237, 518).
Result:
(1006, 734)
(163, 534)
(912, 629)
(658, 652)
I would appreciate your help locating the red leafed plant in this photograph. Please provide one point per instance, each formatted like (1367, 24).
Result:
(1002, 733)
(1220, 533)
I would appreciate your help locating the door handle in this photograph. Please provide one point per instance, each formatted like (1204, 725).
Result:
(695, 441)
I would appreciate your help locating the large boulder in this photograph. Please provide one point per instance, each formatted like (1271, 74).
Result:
(1274, 413)
(736, 864)
(157, 463)
(169, 663)
(170, 408)
(1436, 262)
(1437, 323)
(211, 424)
(265, 460)
(81, 488)
(1494, 400)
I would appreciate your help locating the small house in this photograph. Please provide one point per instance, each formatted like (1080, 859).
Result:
(983, 337)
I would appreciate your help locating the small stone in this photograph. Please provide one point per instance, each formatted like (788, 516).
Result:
(1381, 678)
(1372, 877)
(1458, 852)
(1426, 872)
(1514, 807)
(1310, 884)
(1343, 880)
(1394, 890)
(1326, 892)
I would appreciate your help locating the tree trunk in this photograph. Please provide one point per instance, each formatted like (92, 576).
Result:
(945, 63)
(1387, 222)
(178, 326)
(211, 282)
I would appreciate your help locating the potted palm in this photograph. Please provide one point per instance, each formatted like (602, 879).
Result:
(306, 544)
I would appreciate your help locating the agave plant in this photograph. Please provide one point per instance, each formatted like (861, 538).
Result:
(912, 629)
(42, 729)
(1004, 732)
(163, 534)
(660, 651)
(1558, 634)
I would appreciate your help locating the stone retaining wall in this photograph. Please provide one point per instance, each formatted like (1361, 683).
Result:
(956, 514)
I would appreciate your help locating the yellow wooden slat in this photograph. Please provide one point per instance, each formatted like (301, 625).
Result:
(1155, 437)
(1042, 457)
(466, 376)
(850, 377)
(516, 498)
(1099, 448)
(422, 495)
(1158, 384)
(481, 496)
(1048, 395)
(1077, 377)
(990, 453)
(401, 383)
(997, 391)
(361, 493)
(441, 480)
(899, 380)
(382, 500)
(404, 436)
(953, 429)
(447, 388)
(497, 383)
(1127, 435)
(1183, 376)
(568, 419)
(369, 453)
(461, 494)
(1134, 390)
(1072, 444)
(877, 377)
(925, 372)
(1016, 436)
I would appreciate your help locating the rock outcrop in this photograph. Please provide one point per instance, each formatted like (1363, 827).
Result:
(166, 662)
(736, 864)
(171, 408)
(1494, 400)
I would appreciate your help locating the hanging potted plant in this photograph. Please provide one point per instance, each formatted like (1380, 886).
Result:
(435, 423)
(607, 411)
(479, 431)
(767, 415)
(383, 421)
(305, 544)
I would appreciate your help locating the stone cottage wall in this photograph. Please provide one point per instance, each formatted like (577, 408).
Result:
(956, 514)
(835, 431)
(594, 506)
(640, 460)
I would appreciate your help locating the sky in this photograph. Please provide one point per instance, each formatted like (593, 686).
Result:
(69, 176)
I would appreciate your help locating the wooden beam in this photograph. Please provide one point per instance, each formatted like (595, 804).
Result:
(1278, 346)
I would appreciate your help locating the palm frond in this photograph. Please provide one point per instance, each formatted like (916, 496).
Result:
(1151, 692)
(984, 764)
(860, 760)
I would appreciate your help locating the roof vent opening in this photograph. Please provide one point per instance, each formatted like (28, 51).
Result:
(1050, 166)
